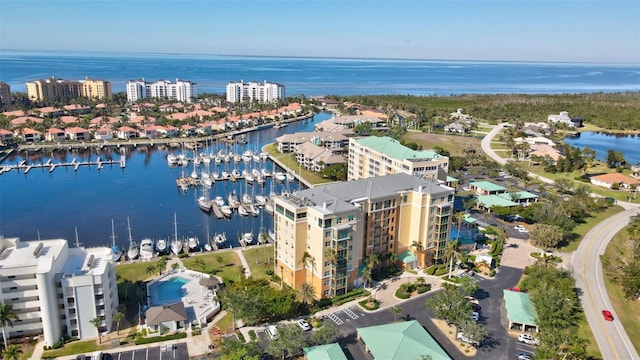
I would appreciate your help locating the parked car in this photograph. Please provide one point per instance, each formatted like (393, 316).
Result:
(304, 325)
(528, 339)
(475, 316)
(524, 356)
(272, 332)
(607, 315)
(476, 307)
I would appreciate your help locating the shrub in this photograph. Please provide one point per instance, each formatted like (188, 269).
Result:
(369, 304)
(241, 337)
(441, 271)
(492, 273)
(269, 272)
(423, 288)
(402, 294)
(344, 298)
(252, 335)
(183, 255)
(149, 340)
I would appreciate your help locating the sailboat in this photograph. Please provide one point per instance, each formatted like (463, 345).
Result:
(207, 244)
(176, 244)
(132, 252)
(220, 239)
(161, 246)
(116, 251)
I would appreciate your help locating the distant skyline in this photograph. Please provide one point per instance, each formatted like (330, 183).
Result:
(510, 30)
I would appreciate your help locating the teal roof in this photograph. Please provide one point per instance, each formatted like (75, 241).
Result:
(393, 149)
(325, 352)
(488, 186)
(519, 307)
(469, 219)
(451, 179)
(490, 201)
(518, 195)
(407, 257)
(400, 341)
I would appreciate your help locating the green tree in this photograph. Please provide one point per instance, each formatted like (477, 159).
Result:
(372, 261)
(7, 315)
(417, 248)
(451, 253)
(545, 236)
(396, 310)
(473, 330)
(12, 352)
(117, 318)
(233, 349)
(615, 158)
(366, 276)
(327, 334)
(291, 341)
(97, 322)
(469, 285)
(449, 305)
(306, 293)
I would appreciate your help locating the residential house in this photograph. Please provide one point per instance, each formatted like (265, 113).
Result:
(77, 109)
(55, 135)
(29, 135)
(615, 180)
(24, 120)
(166, 318)
(564, 119)
(315, 158)
(77, 134)
(103, 134)
(126, 133)
(5, 135)
(543, 150)
(534, 141)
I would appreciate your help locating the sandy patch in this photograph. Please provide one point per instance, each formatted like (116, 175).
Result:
(450, 333)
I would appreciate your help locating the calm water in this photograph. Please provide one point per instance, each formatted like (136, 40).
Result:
(53, 204)
(166, 292)
(602, 142)
(324, 76)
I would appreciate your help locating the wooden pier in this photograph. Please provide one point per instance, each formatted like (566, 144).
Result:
(75, 164)
(217, 212)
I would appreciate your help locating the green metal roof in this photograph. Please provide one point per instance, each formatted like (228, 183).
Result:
(451, 179)
(519, 307)
(490, 201)
(393, 149)
(488, 186)
(407, 257)
(400, 341)
(469, 219)
(518, 195)
(325, 352)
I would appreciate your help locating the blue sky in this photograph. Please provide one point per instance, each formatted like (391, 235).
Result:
(519, 30)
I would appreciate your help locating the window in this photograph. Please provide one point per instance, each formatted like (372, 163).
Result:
(405, 198)
(351, 217)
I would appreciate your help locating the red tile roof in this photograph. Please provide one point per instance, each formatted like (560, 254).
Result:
(615, 178)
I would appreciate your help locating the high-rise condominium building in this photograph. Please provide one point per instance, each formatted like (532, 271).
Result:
(5, 94)
(254, 92)
(324, 234)
(180, 90)
(47, 89)
(378, 156)
(56, 290)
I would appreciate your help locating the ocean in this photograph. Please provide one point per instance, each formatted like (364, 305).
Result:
(317, 76)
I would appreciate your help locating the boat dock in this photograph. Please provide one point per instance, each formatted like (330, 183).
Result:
(217, 212)
(75, 164)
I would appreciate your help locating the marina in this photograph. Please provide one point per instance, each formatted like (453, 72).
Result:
(146, 193)
(50, 166)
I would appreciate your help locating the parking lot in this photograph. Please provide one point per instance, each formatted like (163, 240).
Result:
(167, 352)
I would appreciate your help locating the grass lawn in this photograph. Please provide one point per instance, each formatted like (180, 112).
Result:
(593, 352)
(628, 311)
(224, 324)
(582, 229)
(452, 143)
(257, 259)
(225, 264)
(76, 347)
(290, 158)
(135, 271)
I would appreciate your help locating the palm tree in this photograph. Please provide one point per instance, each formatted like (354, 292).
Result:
(151, 269)
(97, 322)
(451, 252)
(12, 352)
(417, 247)
(372, 261)
(331, 255)
(366, 276)
(306, 260)
(117, 318)
(7, 315)
(306, 293)
(396, 310)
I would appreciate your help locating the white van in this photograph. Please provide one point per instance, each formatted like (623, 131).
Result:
(97, 355)
(272, 332)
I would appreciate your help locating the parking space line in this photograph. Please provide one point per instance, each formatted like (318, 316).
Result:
(335, 319)
(350, 313)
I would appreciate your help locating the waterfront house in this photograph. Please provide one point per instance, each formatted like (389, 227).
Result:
(142, 120)
(101, 121)
(103, 133)
(564, 119)
(635, 171)
(77, 109)
(68, 120)
(77, 134)
(49, 111)
(55, 135)
(126, 133)
(188, 130)
(178, 116)
(614, 180)
(342, 123)
(172, 317)
(23, 120)
(29, 135)
(543, 150)
(5, 135)
(334, 142)
(536, 140)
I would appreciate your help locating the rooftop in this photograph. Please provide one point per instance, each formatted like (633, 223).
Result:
(488, 186)
(519, 307)
(325, 352)
(495, 200)
(393, 149)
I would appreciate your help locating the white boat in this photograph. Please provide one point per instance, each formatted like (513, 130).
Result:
(255, 173)
(194, 174)
(193, 243)
(237, 158)
(220, 239)
(254, 210)
(260, 179)
(205, 180)
(246, 238)
(215, 175)
(146, 249)
(217, 160)
(290, 176)
(242, 211)
(246, 199)
(176, 244)
(247, 156)
(219, 201)
(249, 179)
(226, 211)
(272, 234)
(235, 173)
(161, 246)
(261, 200)
(204, 204)
(225, 174)
(246, 173)
(132, 252)
(268, 207)
(207, 247)
(172, 160)
(279, 176)
(264, 155)
(265, 172)
(232, 199)
(116, 251)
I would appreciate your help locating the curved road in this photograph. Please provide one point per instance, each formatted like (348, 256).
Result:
(612, 339)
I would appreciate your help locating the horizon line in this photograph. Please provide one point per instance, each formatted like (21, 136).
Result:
(105, 52)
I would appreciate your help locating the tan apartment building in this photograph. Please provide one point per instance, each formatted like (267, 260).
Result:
(379, 156)
(53, 88)
(336, 226)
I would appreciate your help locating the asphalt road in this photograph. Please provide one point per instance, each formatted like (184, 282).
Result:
(611, 337)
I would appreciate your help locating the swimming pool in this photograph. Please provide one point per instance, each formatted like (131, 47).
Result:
(467, 236)
(167, 291)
